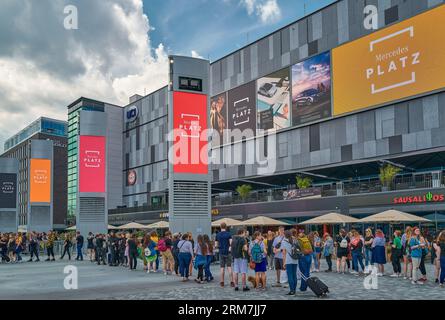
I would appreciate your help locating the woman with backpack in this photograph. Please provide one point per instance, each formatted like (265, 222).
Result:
(328, 250)
(305, 260)
(150, 253)
(379, 252)
(258, 254)
(291, 254)
(342, 244)
(357, 252)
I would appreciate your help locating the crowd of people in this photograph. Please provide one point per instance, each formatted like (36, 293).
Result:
(293, 254)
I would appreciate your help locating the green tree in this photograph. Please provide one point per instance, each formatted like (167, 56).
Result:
(303, 182)
(244, 191)
(387, 175)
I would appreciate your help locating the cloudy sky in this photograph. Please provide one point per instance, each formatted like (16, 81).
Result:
(120, 47)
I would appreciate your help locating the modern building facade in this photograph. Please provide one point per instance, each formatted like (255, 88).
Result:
(329, 100)
(44, 139)
(94, 163)
(9, 169)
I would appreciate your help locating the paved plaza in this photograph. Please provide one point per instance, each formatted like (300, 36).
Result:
(45, 280)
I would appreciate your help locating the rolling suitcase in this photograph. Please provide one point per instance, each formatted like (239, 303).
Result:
(316, 285)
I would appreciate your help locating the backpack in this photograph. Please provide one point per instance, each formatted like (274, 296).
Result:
(257, 253)
(295, 252)
(162, 245)
(237, 248)
(344, 243)
(305, 246)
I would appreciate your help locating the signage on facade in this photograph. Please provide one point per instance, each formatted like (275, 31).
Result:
(301, 193)
(414, 199)
(8, 190)
(132, 114)
(92, 163)
(395, 63)
(131, 177)
(40, 181)
(190, 153)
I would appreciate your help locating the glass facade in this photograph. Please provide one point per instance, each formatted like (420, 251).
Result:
(73, 135)
(43, 125)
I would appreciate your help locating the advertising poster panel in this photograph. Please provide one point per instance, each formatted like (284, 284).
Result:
(218, 118)
(40, 181)
(273, 101)
(8, 190)
(242, 108)
(311, 89)
(92, 164)
(398, 62)
(190, 138)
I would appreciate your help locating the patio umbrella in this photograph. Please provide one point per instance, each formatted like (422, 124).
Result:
(159, 225)
(263, 221)
(133, 225)
(331, 218)
(228, 221)
(74, 228)
(393, 216)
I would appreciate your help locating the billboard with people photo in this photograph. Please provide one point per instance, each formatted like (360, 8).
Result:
(273, 101)
(218, 118)
(311, 89)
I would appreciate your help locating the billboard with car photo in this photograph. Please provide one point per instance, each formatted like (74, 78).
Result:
(311, 89)
(273, 101)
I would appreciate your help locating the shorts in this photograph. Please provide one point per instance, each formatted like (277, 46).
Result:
(262, 266)
(278, 264)
(225, 260)
(342, 253)
(240, 266)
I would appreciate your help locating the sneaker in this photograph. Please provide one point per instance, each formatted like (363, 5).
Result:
(290, 293)
(245, 289)
(441, 285)
(395, 275)
(437, 281)
(379, 274)
(405, 278)
(236, 289)
(277, 285)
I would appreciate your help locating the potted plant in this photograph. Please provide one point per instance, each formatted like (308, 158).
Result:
(244, 191)
(387, 175)
(303, 182)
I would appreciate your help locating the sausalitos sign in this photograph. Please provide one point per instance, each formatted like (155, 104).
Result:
(428, 197)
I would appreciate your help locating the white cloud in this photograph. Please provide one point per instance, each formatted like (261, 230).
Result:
(267, 10)
(196, 54)
(44, 67)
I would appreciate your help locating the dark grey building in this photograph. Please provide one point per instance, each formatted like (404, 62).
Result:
(44, 138)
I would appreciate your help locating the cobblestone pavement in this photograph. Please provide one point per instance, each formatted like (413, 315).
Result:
(44, 280)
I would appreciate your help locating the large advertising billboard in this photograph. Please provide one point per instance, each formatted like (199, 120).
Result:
(190, 154)
(8, 190)
(242, 108)
(218, 118)
(401, 61)
(92, 164)
(311, 89)
(273, 101)
(40, 181)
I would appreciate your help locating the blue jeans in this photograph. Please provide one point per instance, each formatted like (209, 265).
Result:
(157, 259)
(207, 272)
(442, 270)
(357, 258)
(316, 264)
(291, 270)
(305, 267)
(79, 252)
(368, 256)
(184, 264)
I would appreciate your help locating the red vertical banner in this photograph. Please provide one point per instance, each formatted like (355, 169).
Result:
(92, 164)
(190, 153)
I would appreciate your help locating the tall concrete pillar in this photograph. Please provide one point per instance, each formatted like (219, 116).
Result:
(189, 174)
(40, 204)
(9, 170)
